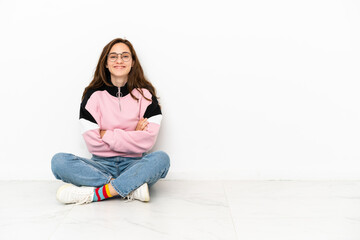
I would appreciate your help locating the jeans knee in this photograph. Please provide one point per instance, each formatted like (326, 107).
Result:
(58, 163)
(164, 158)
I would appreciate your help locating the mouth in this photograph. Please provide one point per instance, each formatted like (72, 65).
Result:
(119, 67)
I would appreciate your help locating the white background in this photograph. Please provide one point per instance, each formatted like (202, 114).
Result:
(249, 89)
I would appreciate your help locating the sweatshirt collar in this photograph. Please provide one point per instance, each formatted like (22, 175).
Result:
(113, 90)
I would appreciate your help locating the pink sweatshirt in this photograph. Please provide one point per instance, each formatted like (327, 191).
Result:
(113, 109)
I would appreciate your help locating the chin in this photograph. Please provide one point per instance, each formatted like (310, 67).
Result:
(119, 75)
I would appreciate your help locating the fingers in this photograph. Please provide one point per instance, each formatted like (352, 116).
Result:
(102, 133)
(142, 124)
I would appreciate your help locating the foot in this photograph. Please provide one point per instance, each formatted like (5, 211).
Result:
(69, 193)
(141, 194)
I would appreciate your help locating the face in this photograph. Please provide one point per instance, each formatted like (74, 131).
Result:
(119, 68)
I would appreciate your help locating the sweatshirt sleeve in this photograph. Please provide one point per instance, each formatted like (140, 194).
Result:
(90, 122)
(137, 141)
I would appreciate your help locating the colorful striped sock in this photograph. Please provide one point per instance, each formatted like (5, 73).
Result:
(102, 193)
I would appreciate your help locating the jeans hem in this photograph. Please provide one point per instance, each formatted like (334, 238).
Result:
(117, 190)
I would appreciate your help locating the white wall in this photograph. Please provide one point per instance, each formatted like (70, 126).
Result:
(250, 89)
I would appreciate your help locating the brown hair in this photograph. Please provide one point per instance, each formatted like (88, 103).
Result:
(136, 78)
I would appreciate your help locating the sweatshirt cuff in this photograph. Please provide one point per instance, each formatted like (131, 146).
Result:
(109, 138)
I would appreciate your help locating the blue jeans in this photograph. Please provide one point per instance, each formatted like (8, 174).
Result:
(127, 173)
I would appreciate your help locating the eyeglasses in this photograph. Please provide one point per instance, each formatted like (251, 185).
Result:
(125, 56)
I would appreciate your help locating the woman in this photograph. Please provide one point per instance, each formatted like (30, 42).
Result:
(120, 118)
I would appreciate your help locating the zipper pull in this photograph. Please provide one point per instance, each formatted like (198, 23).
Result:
(119, 95)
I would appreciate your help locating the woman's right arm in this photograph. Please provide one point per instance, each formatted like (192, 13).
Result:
(89, 121)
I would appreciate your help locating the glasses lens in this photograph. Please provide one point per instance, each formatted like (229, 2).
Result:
(126, 57)
(113, 57)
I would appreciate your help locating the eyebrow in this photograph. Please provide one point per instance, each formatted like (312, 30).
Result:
(118, 53)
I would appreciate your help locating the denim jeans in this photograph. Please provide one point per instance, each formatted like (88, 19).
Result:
(127, 173)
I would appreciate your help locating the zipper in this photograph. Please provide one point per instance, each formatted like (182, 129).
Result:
(119, 95)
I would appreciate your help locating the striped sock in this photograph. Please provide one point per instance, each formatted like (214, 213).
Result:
(102, 193)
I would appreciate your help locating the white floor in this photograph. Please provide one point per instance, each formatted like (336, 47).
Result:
(201, 210)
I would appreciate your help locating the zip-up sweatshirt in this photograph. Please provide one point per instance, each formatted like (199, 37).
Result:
(114, 109)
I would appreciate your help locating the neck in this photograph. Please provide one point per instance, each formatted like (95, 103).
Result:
(119, 82)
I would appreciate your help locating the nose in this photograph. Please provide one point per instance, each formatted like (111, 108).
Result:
(119, 59)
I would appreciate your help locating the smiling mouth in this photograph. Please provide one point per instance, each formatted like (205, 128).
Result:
(119, 67)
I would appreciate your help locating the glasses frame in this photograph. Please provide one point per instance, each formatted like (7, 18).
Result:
(117, 56)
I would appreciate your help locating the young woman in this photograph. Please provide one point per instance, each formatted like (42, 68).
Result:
(120, 118)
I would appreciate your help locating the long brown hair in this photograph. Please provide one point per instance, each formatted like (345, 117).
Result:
(136, 77)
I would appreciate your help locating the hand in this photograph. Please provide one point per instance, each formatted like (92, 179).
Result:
(102, 133)
(142, 125)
